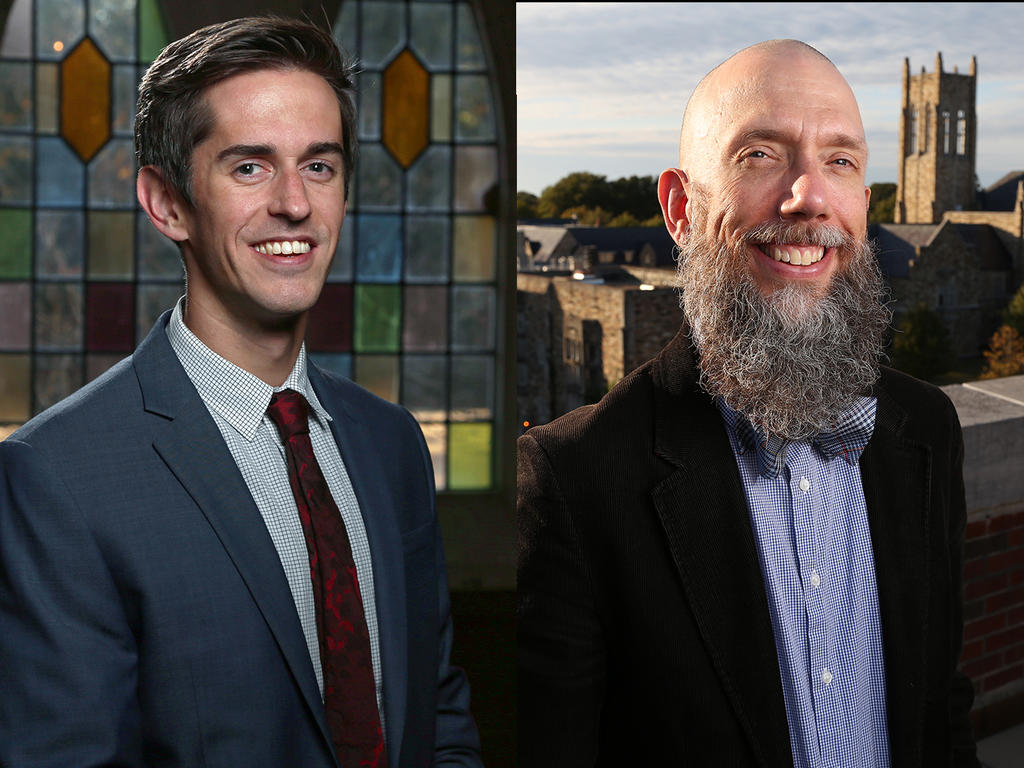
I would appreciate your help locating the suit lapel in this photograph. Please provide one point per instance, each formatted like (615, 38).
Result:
(896, 477)
(703, 510)
(369, 477)
(189, 442)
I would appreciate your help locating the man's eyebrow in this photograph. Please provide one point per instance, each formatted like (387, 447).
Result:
(837, 139)
(263, 150)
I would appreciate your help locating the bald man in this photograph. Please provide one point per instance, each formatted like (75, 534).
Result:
(749, 552)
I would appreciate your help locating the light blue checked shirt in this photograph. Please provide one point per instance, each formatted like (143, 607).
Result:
(807, 507)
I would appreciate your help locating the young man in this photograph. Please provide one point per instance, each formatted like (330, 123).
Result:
(749, 552)
(217, 554)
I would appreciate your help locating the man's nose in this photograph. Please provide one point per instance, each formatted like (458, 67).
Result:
(289, 198)
(807, 194)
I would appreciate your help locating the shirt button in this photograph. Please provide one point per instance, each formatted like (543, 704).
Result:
(815, 579)
(826, 676)
(805, 484)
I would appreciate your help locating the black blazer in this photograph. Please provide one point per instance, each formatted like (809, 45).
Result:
(644, 631)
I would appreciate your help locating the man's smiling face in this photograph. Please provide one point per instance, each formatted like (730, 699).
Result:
(774, 142)
(269, 198)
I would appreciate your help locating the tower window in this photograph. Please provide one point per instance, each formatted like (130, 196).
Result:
(945, 131)
(913, 132)
(961, 132)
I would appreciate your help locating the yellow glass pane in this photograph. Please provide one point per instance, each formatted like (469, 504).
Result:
(85, 99)
(436, 436)
(379, 374)
(474, 249)
(469, 456)
(441, 108)
(111, 245)
(46, 98)
(15, 388)
(406, 103)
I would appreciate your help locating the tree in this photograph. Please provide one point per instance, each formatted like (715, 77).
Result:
(1013, 315)
(625, 219)
(1005, 354)
(580, 189)
(588, 217)
(921, 344)
(526, 205)
(883, 202)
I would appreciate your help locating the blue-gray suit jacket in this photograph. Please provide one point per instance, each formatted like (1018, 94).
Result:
(145, 618)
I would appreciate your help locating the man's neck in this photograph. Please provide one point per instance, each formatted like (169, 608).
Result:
(267, 352)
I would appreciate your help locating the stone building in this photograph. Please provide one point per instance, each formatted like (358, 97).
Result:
(557, 246)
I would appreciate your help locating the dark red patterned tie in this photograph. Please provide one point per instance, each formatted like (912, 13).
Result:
(350, 694)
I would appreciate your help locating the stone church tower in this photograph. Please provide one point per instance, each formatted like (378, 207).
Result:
(937, 144)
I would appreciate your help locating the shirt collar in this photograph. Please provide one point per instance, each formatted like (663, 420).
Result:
(236, 395)
(848, 439)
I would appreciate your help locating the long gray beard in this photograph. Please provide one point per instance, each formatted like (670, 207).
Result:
(794, 361)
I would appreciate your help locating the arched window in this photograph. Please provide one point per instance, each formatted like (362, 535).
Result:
(961, 132)
(912, 143)
(416, 304)
(945, 131)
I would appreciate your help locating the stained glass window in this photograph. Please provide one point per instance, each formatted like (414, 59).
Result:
(412, 305)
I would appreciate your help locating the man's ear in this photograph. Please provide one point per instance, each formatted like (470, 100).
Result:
(164, 205)
(672, 196)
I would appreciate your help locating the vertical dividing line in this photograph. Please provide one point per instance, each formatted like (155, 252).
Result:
(33, 364)
(450, 251)
(353, 279)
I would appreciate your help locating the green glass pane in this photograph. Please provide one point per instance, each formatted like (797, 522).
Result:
(436, 437)
(476, 173)
(59, 27)
(16, 34)
(425, 318)
(429, 185)
(46, 98)
(472, 387)
(125, 96)
(431, 34)
(111, 245)
(424, 386)
(474, 109)
(474, 249)
(15, 388)
(57, 376)
(112, 27)
(379, 374)
(440, 107)
(383, 31)
(472, 318)
(15, 243)
(379, 179)
(469, 52)
(158, 255)
(16, 170)
(58, 316)
(152, 33)
(150, 302)
(59, 243)
(112, 176)
(16, 317)
(378, 315)
(469, 456)
(97, 364)
(15, 94)
(427, 241)
(368, 86)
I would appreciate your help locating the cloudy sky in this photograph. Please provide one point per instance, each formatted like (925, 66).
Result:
(601, 86)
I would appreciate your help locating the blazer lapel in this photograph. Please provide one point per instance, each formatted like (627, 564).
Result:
(193, 448)
(896, 477)
(703, 510)
(358, 449)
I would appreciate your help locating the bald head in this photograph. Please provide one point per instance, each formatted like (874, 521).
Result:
(752, 76)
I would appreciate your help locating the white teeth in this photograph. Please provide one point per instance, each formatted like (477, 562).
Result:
(276, 248)
(283, 247)
(797, 257)
(286, 248)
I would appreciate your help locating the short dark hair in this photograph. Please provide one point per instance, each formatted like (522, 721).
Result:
(173, 117)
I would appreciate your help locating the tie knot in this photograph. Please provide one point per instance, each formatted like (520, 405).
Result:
(290, 412)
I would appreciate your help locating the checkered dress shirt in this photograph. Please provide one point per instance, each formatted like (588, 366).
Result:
(238, 402)
(807, 509)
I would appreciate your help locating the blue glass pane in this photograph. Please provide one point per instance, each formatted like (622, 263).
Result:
(379, 249)
(59, 243)
(125, 96)
(379, 178)
(472, 326)
(150, 302)
(58, 316)
(56, 377)
(112, 27)
(60, 177)
(476, 172)
(473, 109)
(345, 26)
(427, 245)
(383, 31)
(430, 181)
(472, 387)
(112, 176)
(469, 52)
(59, 26)
(431, 35)
(368, 86)
(340, 364)
(15, 94)
(424, 386)
(16, 170)
(341, 267)
(16, 41)
(158, 256)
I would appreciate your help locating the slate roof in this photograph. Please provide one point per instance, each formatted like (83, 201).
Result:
(1001, 195)
(897, 244)
(620, 239)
